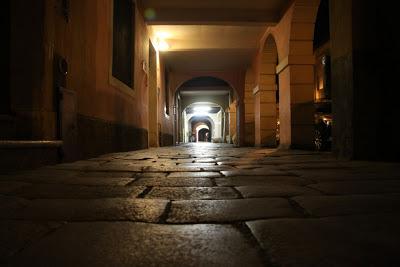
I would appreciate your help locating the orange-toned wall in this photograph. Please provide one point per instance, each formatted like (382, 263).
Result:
(86, 43)
(112, 114)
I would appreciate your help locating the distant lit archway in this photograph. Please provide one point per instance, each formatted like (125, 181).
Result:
(206, 97)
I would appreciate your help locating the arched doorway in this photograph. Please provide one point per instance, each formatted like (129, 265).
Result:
(204, 135)
(194, 123)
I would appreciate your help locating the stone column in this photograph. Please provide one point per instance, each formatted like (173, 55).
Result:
(265, 105)
(302, 105)
(249, 109)
(364, 52)
(296, 102)
(232, 122)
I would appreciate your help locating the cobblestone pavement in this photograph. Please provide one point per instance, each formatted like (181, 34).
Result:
(202, 205)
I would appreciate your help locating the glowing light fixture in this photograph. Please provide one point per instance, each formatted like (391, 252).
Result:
(163, 35)
(202, 109)
(163, 45)
(161, 38)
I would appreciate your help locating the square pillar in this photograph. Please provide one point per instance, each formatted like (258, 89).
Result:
(365, 73)
(249, 110)
(296, 106)
(266, 108)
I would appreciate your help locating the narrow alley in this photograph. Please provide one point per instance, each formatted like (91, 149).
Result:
(203, 204)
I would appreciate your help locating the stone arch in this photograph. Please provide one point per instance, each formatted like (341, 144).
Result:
(180, 80)
(296, 77)
(214, 102)
(203, 134)
(197, 121)
(302, 27)
(266, 95)
(226, 109)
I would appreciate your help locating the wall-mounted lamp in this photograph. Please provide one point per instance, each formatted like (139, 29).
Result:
(163, 45)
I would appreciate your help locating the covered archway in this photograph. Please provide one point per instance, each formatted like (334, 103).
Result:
(207, 97)
(203, 135)
(193, 121)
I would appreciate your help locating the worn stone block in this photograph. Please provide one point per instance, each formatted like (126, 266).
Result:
(197, 211)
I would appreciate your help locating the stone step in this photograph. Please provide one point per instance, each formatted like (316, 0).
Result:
(27, 154)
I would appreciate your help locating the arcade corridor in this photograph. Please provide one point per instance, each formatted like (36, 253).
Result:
(199, 133)
(203, 204)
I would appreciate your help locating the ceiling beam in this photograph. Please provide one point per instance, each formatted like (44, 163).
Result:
(206, 16)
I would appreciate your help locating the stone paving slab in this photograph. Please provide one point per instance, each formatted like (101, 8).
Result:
(179, 193)
(78, 165)
(137, 244)
(312, 166)
(323, 206)
(194, 175)
(174, 186)
(205, 160)
(172, 168)
(7, 187)
(272, 190)
(174, 182)
(200, 211)
(358, 187)
(107, 174)
(17, 235)
(370, 240)
(94, 181)
(114, 167)
(105, 209)
(260, 180)
(327, 175)
(76, 191)
(9, 206)
(47, 172)
(288, 163)
(248, 166)
(255, 172)
(198, 164)
(151, 175)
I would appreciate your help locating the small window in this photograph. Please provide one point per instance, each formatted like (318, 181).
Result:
(123, 40)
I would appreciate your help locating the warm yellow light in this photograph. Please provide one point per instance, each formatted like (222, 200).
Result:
(163, 35)
(163, 45)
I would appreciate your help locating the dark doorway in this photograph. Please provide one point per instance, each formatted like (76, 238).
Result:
(204, 135)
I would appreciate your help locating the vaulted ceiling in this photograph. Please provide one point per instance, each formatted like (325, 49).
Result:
(210, 34)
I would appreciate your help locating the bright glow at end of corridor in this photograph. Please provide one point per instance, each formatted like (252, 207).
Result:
(202, 109)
